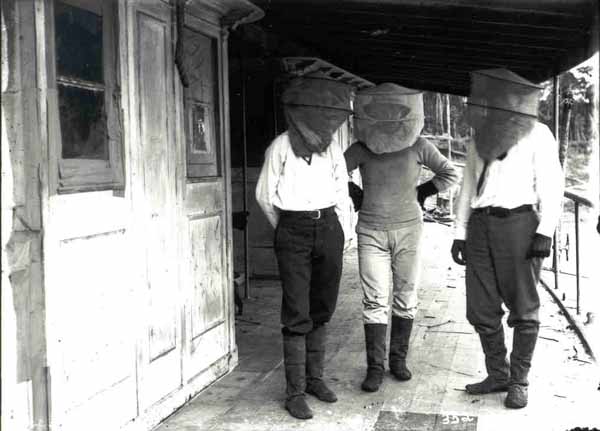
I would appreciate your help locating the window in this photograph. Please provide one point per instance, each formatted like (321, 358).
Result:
(202, 109)
(202, 133)
(89, 147)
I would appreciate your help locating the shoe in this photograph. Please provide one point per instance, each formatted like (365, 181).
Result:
(375, 334)
(399, 342)
(487, 386)
(298, 407)
(496, 365)
(319, 389)
(294, 353)
(516, 398)
(524, 341)
(315, 361)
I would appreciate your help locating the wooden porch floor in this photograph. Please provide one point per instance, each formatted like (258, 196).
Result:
(445, 355)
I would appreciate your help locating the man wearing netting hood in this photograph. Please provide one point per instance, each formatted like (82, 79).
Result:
(507, 209)
(389, 154)
(301, 189)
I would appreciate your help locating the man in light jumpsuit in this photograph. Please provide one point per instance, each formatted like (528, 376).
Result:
(301, 189)
(507, 210)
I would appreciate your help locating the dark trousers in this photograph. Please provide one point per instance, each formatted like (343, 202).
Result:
(309, 255)
(498, 271)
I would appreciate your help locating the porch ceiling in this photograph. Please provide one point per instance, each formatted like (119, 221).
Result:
(434, 44)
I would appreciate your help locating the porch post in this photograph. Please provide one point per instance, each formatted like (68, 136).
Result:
(244, 169)
(555, 90)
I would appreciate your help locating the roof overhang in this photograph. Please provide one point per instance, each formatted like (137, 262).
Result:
(434, 44)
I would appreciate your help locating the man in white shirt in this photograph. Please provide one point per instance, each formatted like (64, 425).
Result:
(301, 189)
(507, 210)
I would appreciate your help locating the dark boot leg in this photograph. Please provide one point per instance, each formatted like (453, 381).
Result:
(399, 342)
(375, 334)
(294, 351)
(524, 340)
(315, 359)
(496, 365)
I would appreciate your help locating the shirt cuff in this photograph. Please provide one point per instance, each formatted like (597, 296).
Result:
(545, 228)
(442, 184)
(460, 232)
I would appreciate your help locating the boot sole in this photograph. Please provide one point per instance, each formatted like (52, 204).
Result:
(514, 406)
(402, 378)
(369, 388)
(299, 416)
(492, 391)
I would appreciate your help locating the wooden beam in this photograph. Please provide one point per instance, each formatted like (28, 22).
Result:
(447, 16)
(431, 26)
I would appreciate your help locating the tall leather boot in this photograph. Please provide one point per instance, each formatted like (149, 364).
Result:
(294, 351)
(524, 340)
(399, 342)
(496, 365)
(375, 334)
(315, 359)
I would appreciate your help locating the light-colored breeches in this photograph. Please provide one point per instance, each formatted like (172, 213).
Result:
(385, 253)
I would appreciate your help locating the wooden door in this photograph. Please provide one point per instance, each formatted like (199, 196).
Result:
(159, 352)
(89, 291)
(208, 288)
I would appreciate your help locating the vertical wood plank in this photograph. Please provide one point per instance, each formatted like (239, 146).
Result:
(153, 46)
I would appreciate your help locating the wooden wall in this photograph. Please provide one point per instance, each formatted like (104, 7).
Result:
(115, 300)
(23, 310)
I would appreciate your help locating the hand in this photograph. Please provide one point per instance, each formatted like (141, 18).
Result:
(459, 248)
(356, 194)
(424, 191)
(540, 246)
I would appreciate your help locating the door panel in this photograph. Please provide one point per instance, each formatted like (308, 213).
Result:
(207, 273)
(202, 116)
(89, 298)
(96, 341)
(207, 283)
(161, 357)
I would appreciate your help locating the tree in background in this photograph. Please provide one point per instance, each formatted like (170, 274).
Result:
(576, 87)
(577, 99)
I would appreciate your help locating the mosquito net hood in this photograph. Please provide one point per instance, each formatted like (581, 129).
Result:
(314, 108)
(502, 108)
(388, 117)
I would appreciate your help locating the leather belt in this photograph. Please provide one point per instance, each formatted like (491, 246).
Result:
(503, 212)
(313, 215)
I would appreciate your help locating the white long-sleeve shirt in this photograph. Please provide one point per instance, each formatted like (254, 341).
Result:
(529, 174)
(288, 182)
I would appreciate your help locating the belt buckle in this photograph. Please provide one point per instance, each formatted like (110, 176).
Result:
(318, 214)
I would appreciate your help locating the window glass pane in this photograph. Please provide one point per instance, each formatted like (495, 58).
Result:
(200, 129)
(78, 43)
(82, 123)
